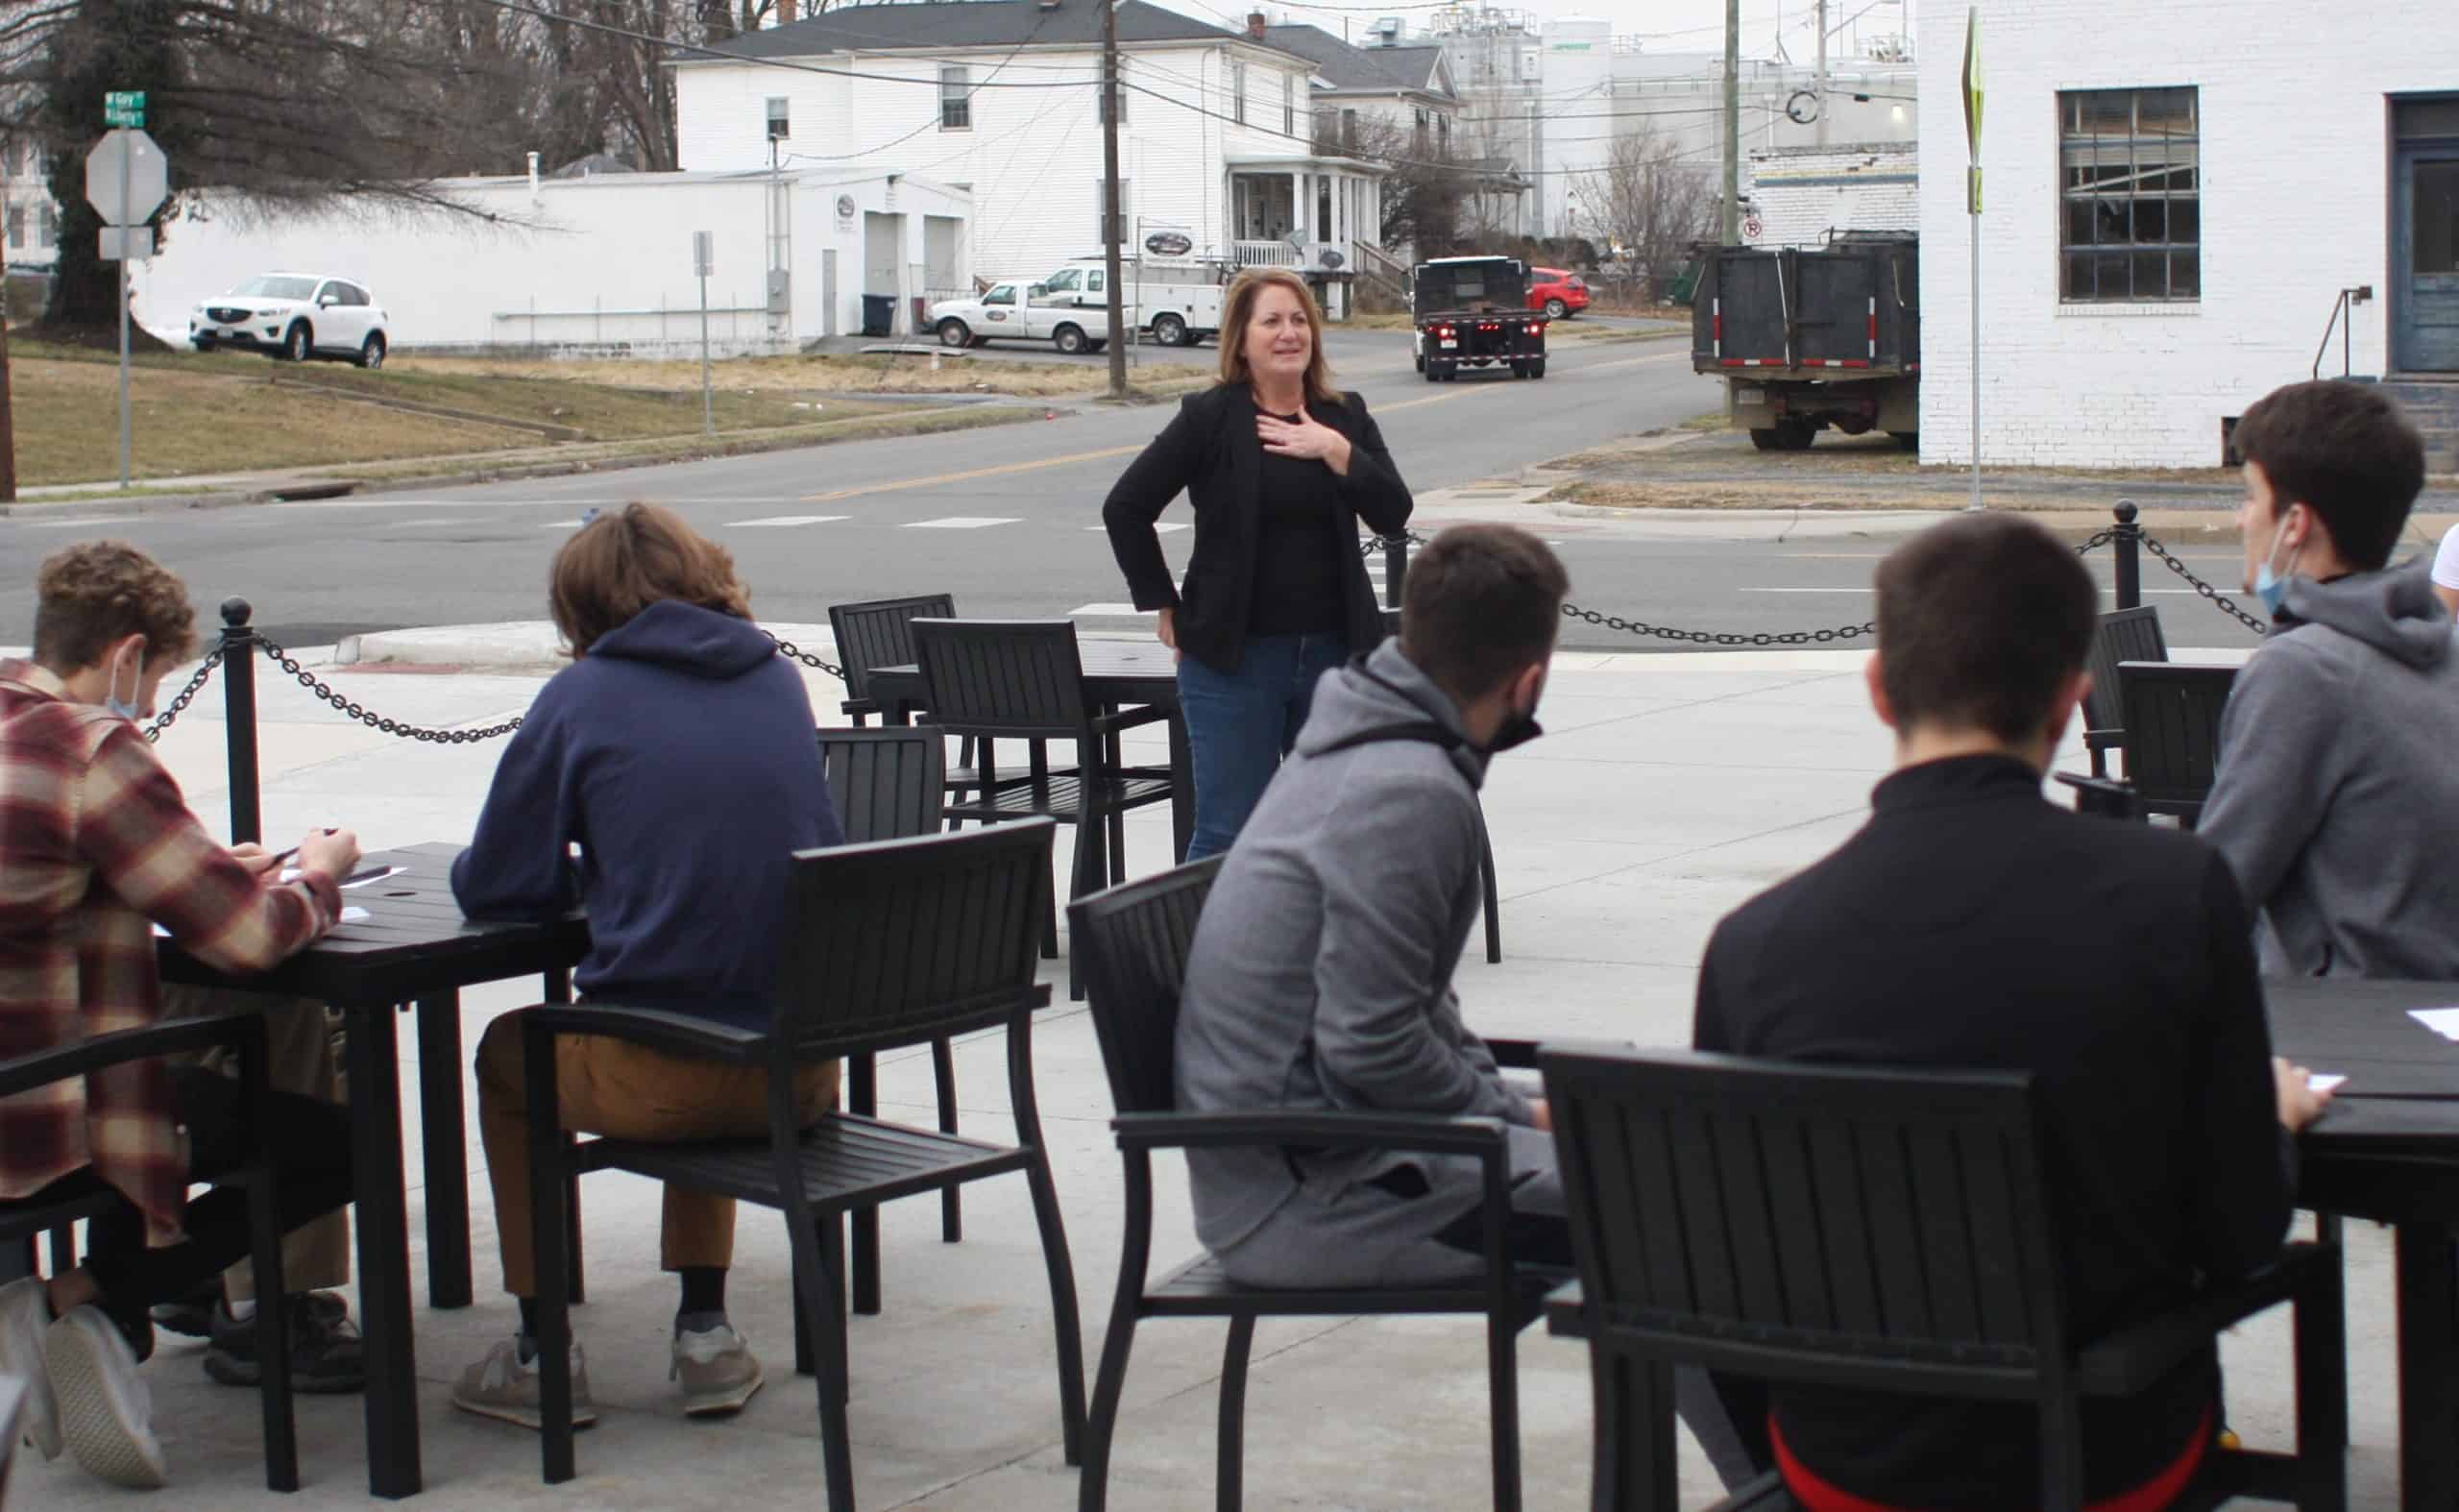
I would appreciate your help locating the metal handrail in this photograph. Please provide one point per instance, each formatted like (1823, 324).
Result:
(2344, 324)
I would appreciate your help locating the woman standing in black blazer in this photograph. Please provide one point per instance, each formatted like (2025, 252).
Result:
(1280, 468)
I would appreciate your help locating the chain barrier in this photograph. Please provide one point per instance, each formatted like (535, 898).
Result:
(2096, 543)
(308, 680)
(2221, 601)
(1368, 546)
(789, 649)
(187, 696)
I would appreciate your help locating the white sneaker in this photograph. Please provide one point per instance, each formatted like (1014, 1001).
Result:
(106, 1412)
(24, 1313)
(717, 1370)
(500, 1386)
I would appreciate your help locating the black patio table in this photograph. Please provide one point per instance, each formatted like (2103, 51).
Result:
(416, 948)
(1118, 675)
(2388, 1150)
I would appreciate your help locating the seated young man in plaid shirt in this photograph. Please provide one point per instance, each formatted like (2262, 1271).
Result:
(96, 845)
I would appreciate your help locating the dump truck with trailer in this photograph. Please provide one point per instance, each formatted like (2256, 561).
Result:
(1810, 339)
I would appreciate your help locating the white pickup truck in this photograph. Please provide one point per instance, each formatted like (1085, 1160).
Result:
(1069, 306)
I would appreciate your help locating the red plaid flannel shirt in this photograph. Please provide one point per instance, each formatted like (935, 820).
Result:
(95, 842)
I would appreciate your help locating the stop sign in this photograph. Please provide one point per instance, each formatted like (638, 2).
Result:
(127, 163)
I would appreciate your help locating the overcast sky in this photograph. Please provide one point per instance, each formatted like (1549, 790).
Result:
(1672, 26)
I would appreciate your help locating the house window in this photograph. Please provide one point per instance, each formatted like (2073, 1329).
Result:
(1348, 127)
(778, 124)
(46, 226)
(1239, 91)
(956, 98)
(2129, 211)
(1443, 135)
(17, 226)
(1288, 105)
(1417, 137)
(1103, 232)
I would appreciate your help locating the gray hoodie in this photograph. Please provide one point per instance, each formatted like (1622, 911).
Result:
(2337, 802)
(1320, 975)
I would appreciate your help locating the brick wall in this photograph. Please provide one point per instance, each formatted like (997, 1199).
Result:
(1798, 194)
(2295, 204)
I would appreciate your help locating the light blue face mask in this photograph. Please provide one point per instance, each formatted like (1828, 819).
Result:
(2272, 587)
(127, 708)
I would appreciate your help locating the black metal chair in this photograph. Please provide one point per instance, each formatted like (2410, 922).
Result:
(877, 633)
(2170, 741)
(90, 1197)
(1022, 679)
(2126, 635)
(1485, 848)
(887, 944)
(889, 784)
(1870, 1228)
(1132, 943)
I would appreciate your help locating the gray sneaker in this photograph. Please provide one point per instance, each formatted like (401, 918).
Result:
(24, 1313)
(718, 1371)
(500, 1386)
(106, 1412)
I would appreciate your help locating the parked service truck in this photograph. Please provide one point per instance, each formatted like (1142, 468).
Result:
(1808, 338)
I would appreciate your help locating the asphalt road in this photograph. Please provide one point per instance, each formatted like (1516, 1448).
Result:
(1006, 519)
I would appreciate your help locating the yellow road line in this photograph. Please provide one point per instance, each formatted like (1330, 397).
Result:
(1003, 470)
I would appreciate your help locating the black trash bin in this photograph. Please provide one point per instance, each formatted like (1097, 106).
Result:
(879, 314)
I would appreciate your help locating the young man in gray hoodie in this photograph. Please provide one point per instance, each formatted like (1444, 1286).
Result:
(1321, 974)
(2337, 801)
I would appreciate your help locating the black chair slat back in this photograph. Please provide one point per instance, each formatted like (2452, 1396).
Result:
(995, 678)
(1813, 1208)
(1131, 944)
(902, 941)
(2171, 714)
(2126, 635)
(887, 784)
(874, 634)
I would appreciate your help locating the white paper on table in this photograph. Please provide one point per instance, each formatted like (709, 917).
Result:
(2323, 1082)
(354, 916)
(357, 879)
(2443, 1021)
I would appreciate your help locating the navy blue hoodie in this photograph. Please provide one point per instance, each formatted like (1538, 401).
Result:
(680, 755)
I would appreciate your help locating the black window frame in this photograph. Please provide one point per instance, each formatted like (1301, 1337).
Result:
(777, 118)
(2130, 200)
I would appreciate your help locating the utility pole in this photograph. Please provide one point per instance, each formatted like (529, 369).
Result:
(1113, 218)
(1733, 123)
(1821, 85)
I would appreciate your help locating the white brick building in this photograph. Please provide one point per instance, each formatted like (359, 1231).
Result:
(2168, 221)
(1000, 97)
(1797, 196)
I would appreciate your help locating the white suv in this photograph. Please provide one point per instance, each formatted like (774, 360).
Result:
(297, 316)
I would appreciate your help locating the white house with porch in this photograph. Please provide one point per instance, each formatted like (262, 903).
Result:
(1001, 98)
(2170, 228)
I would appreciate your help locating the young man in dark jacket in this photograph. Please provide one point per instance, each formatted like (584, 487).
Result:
(2337, 801)
(1972, 923)
(676, 754)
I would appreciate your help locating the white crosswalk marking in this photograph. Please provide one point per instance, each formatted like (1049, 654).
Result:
(1158, 529)
(563, 524)
(1109, 612)
(960, 523)
(781, 522)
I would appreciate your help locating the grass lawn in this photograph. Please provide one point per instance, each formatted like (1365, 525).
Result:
(815, 379)
(235, 411)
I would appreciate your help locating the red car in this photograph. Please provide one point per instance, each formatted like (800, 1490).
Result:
(1561, 294)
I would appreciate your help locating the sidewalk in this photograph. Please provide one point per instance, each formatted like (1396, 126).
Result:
(1668, 789)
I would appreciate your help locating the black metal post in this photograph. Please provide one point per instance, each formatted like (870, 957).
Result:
(1396, 568)
(239, 719)
(2128, 543)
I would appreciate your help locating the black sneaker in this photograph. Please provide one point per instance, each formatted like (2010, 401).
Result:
(190, 1316)
(327, 1356)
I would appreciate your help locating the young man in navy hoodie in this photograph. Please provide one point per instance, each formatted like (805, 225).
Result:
(676, 754)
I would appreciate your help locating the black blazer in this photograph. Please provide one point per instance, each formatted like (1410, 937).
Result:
(1209, 451)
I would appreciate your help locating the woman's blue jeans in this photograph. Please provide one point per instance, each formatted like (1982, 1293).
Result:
(1240, 725)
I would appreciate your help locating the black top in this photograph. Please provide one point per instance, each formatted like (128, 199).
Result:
(1209, 451)
(1971, 923)
(1297, 523)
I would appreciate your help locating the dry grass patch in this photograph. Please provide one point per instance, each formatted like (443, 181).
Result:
(788, 378)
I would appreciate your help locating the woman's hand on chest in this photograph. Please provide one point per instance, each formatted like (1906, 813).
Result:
(1306, 438)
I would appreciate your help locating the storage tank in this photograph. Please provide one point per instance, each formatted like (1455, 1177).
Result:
(1577, 82)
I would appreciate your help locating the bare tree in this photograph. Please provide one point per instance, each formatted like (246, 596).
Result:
(1646, 204)
(1424, 188)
